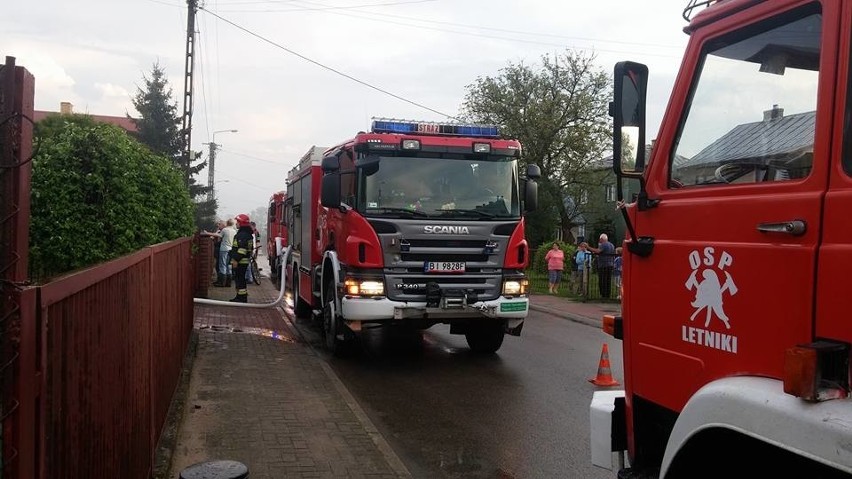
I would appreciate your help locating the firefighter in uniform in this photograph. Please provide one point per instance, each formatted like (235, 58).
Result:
(239, 255)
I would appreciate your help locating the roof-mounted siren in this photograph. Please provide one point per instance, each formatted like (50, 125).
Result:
(695, 4)
(390, 125)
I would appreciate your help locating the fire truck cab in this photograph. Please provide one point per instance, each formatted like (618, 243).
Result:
(276, 232)
(736, 322)
(410, 225)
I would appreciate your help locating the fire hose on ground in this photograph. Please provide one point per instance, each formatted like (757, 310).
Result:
(282, 257)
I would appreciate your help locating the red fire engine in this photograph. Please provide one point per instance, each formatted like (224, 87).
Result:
(411, 225)
(735, 322)
(276, 232)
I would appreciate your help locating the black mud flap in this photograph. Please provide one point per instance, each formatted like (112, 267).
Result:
(516, 331)
(630, 473)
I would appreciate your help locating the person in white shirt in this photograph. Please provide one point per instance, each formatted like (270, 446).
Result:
(224, 248)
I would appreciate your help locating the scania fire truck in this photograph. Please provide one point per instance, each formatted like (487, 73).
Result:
(276, 232)
(735, 323)
(410, 225)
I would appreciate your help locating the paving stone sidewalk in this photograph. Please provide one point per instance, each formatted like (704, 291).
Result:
(586, 313)
(259, 395)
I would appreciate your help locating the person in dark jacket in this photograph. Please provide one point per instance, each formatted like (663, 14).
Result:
(240, 253)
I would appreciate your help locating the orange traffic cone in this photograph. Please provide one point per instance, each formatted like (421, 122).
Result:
(604, 377)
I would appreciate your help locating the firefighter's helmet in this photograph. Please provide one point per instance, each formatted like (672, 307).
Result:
(243, 220)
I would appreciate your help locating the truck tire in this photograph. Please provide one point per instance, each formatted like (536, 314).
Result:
(485, 339)
(275, 273)
(301, 308)
(334, 338)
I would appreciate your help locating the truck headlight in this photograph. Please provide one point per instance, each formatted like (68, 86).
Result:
(364, 287)
(515, 287)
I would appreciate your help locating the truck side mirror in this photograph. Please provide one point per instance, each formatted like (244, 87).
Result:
(628, 111)
(531, 194)
(531, 188)
(533, 171)
(330, 164)
(330, 194)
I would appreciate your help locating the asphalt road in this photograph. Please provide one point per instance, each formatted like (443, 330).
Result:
(448, 413)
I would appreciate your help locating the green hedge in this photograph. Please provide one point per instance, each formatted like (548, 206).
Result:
(98, 194)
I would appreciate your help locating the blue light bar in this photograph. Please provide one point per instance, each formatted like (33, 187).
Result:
(430, 128)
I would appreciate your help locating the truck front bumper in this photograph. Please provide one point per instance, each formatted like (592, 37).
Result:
(513, 309)
(607, 432)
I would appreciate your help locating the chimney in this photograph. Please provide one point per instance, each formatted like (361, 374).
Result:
(774, 114)
(66, 108)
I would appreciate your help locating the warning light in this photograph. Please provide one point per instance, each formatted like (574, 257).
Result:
(383, 125)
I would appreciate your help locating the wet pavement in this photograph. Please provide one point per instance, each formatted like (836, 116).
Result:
(261, 396)
(263, 392)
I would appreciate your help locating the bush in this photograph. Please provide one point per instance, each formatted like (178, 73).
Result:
(98, 194)
(540, 265)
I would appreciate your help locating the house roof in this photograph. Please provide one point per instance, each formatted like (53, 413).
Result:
(606, 162)
(120, 121)
(760, 139)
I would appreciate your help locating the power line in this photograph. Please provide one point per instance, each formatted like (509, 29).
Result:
(245, 155)
(166, 3)
(250, 2)
(321, 65)
(253, 185)
(518, 32)
(322, 7)
(481, 35)
(327, 7)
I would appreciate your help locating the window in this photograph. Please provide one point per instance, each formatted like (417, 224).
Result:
(611, 193)
(752, 112)
(584, 197)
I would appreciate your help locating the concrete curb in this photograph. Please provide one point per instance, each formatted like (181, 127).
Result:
(595, 323)
(381, 443)
(384, 447)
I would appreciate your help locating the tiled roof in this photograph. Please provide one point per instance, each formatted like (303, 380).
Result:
(606, 162)
(760, 139)
(120, 121)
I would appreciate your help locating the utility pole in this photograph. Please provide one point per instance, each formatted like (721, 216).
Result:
(192, 8)
(211, 164)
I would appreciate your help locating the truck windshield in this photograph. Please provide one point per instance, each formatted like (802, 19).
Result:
(420, 187)
(751, 118)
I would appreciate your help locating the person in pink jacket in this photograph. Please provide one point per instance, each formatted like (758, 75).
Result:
(555, 264)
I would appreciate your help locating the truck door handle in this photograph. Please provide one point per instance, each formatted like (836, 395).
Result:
(793, 227)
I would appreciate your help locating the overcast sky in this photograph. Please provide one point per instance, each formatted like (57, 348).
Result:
(93, 53)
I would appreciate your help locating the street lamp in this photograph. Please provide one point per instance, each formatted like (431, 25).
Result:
(211, 195)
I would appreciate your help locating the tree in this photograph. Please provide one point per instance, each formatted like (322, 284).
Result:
(559, 112)
(159, 128)
(98, 194)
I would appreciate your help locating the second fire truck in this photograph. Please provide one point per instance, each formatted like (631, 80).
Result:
(276, 231)
(410, 225)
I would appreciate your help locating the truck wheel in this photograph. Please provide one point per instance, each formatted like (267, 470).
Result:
(485, 339)
(334, 337)
(275, 273)
(301, 308)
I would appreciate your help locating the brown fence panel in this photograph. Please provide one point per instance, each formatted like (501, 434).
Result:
(97, 407)
(114, 340)
(171, 325)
